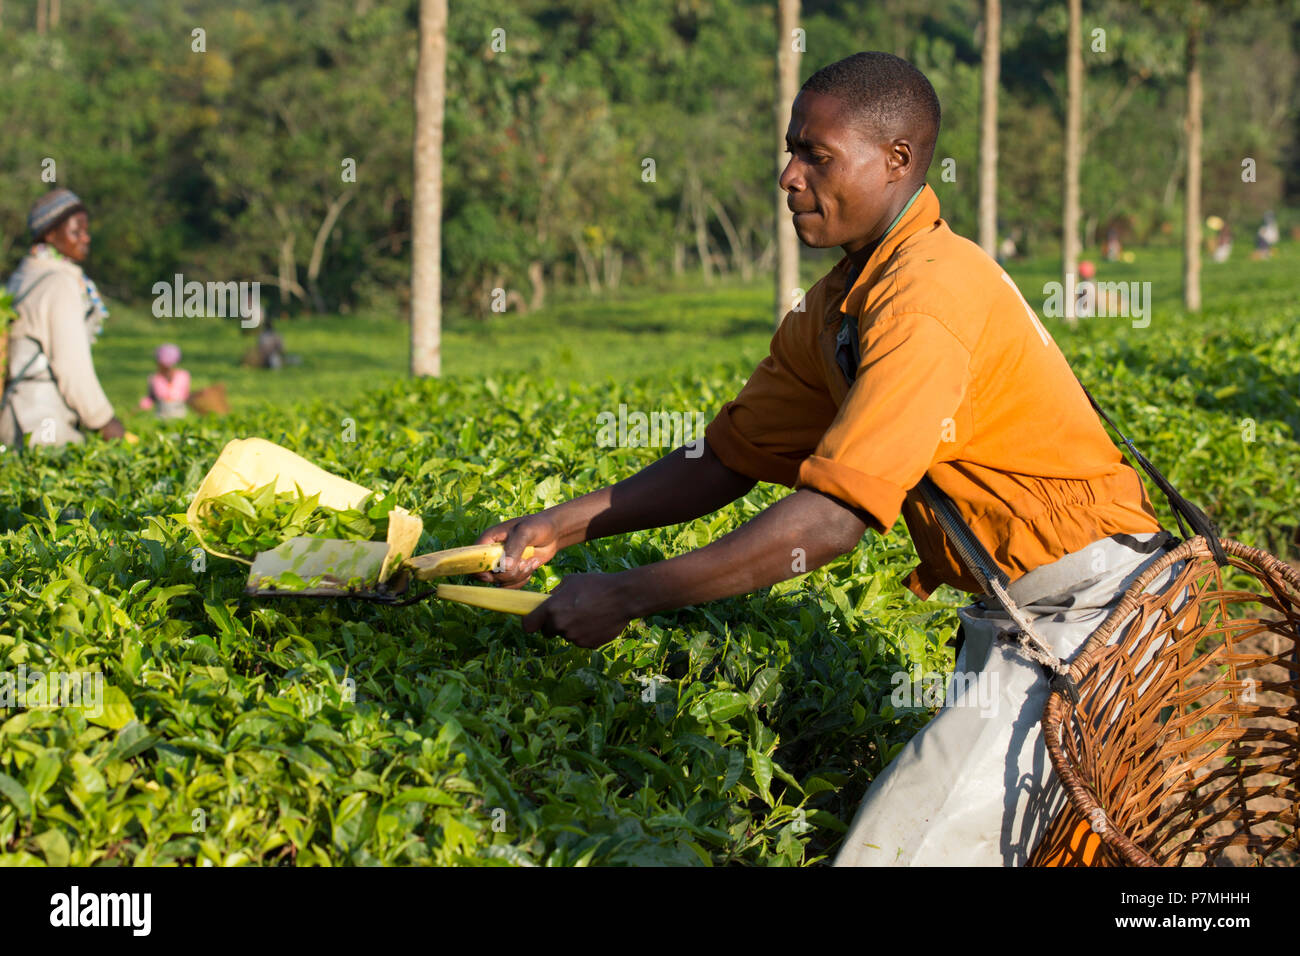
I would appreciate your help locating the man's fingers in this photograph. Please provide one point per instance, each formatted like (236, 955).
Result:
(535, 618)
(496, 534)
(512, 555)
(493, 535)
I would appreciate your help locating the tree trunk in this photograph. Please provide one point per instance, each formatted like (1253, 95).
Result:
(287, 265)
(426, 214)
(54, 14)
(787, 87)
(42, 16)
(588, 263)
(318, 247)
(1090, 232)
(739, 256)
(1073, 122)
(1192, 206)
(537, 278)
(989, 127)
(679, 245)
(701, 232)
(1171, 184)
(613, 267)
(288, 278)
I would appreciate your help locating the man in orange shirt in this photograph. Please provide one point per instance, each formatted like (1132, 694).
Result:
(914, 356)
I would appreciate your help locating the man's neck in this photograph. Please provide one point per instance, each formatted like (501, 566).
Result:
(907, 196)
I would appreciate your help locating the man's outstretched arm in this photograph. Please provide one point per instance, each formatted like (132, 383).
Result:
(803, 530)
(592, 609)
(674, 489)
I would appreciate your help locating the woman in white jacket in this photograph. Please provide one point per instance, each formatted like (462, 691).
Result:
(53, 395)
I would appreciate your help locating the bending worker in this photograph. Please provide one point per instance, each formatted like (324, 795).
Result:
(915, 355)
(53, 394)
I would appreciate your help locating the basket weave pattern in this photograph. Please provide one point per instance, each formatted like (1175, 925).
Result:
(1184, 749)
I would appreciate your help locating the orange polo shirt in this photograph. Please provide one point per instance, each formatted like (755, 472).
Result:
(959, 380)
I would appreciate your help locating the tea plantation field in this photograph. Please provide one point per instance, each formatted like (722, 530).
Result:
(744, 731)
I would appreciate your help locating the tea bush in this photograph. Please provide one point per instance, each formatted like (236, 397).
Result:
(297, 731)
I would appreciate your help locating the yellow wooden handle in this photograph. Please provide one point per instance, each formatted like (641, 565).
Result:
(491, 598)
(468, 560)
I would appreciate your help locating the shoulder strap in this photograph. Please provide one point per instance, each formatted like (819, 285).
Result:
(994, 581)
(8, 393)
(1183, 509)
(28, 291)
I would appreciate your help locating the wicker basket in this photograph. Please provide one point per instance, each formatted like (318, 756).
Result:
(1191, 758)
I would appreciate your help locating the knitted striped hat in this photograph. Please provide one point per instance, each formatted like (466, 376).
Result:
(51, 209)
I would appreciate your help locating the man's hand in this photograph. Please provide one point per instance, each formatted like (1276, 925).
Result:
(586, 610)
(672, 490)
(539, 530)
(114, 429)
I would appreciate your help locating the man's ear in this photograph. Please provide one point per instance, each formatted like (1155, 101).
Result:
(900, 158)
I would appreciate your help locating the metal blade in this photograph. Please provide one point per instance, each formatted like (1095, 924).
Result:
(329, 565)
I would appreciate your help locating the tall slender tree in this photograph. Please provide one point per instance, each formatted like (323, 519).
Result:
(990, 69)
(1073, 148)
(1192, 205)
(787, 86)
(426, 213)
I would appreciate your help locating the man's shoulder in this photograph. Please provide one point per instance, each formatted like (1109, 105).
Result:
(946, 276)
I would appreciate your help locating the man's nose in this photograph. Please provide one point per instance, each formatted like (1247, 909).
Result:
(789, 178)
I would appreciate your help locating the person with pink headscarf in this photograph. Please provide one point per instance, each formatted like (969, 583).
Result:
(1085, 292)
(169, 387)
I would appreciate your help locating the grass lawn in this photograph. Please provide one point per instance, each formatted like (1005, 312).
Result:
(627, 334)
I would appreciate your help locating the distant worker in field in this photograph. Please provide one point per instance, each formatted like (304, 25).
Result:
(916, 356)
(1266, 237)
(1113, 249)
(1222, 244)
(1007, 247)
(269, 350)
(1085, 293)
(169, 386)
(52, 395)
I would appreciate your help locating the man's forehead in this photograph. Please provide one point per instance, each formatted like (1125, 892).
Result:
(819, 117)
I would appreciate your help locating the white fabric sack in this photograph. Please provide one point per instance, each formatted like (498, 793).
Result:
(975, 786)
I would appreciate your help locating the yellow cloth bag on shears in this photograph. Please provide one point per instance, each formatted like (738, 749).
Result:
(249, 463)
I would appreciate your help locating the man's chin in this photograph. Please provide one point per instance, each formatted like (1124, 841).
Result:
(812, 240)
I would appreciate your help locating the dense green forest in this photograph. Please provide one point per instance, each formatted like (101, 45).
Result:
(588, 144)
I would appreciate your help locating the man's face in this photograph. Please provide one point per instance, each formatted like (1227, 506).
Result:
(839, 185)
(72, 237)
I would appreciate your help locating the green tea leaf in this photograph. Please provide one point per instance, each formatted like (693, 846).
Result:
(117, 710)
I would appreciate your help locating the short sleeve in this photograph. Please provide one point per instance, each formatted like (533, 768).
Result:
(780, 414)
(911, 382)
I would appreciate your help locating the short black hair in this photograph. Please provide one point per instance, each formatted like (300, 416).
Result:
(885, 96)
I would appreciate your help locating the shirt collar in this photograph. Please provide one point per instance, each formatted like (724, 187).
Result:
(921, 212)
